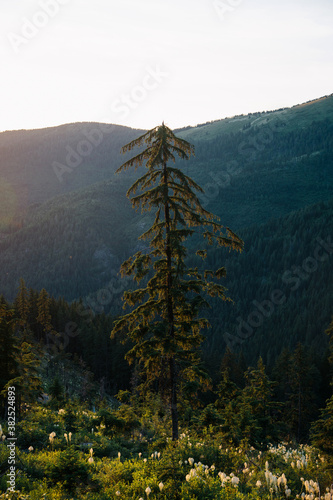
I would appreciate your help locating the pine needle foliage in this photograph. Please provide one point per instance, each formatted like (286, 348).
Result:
(165, 323)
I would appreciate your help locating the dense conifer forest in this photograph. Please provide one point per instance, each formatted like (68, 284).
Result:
(88, 424)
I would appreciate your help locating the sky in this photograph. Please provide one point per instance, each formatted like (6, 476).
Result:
(140, 62)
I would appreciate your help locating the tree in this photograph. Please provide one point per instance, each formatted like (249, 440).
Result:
(329, 332)
(44, 316)
(8, 351)
(322, 429)
(259, 393)
(22, 303)
(165, 325)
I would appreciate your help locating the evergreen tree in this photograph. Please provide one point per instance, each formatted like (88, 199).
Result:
(302, 399)
(259, 392)
(22, 303)
(8, 351)
(165, 325)
(322, 430)
(44, 316)
(329, 332)
(238, 423)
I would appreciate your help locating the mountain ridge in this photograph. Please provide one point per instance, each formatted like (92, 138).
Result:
(69, 233)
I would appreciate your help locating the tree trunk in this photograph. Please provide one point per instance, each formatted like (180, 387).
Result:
(170, 318)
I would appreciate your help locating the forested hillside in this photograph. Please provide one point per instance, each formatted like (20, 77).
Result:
(91, 425)
(267, 175)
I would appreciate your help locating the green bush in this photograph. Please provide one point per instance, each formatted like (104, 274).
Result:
(68, 469)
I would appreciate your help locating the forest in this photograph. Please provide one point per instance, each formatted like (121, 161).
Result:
(213, 383)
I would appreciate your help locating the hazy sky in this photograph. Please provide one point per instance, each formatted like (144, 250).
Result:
(139, 62)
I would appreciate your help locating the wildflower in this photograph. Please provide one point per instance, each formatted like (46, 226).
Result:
(61, 411)
(258, 484)
(212, 467)
(191, 461)
(66, 437)
(145, 460)
(52, 436)
(161, 486)
(148, 491)
(288, 492)
(159, 455)
(118, 493)
(91, 451)
(235, 481)
(31, 448)
(282, 480)
(90, 460)
(70, 436)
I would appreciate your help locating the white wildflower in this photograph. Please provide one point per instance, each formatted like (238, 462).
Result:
(235, 481)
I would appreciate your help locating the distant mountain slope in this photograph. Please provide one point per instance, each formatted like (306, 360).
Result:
(37, 165)
(296, 117)
(281, 285)
(65, 222)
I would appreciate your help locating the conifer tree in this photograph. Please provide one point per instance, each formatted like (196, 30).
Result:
(322, 429)
(329, 332)
(8, 351)
(44, 316)
(164, 324)
(22, 303)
